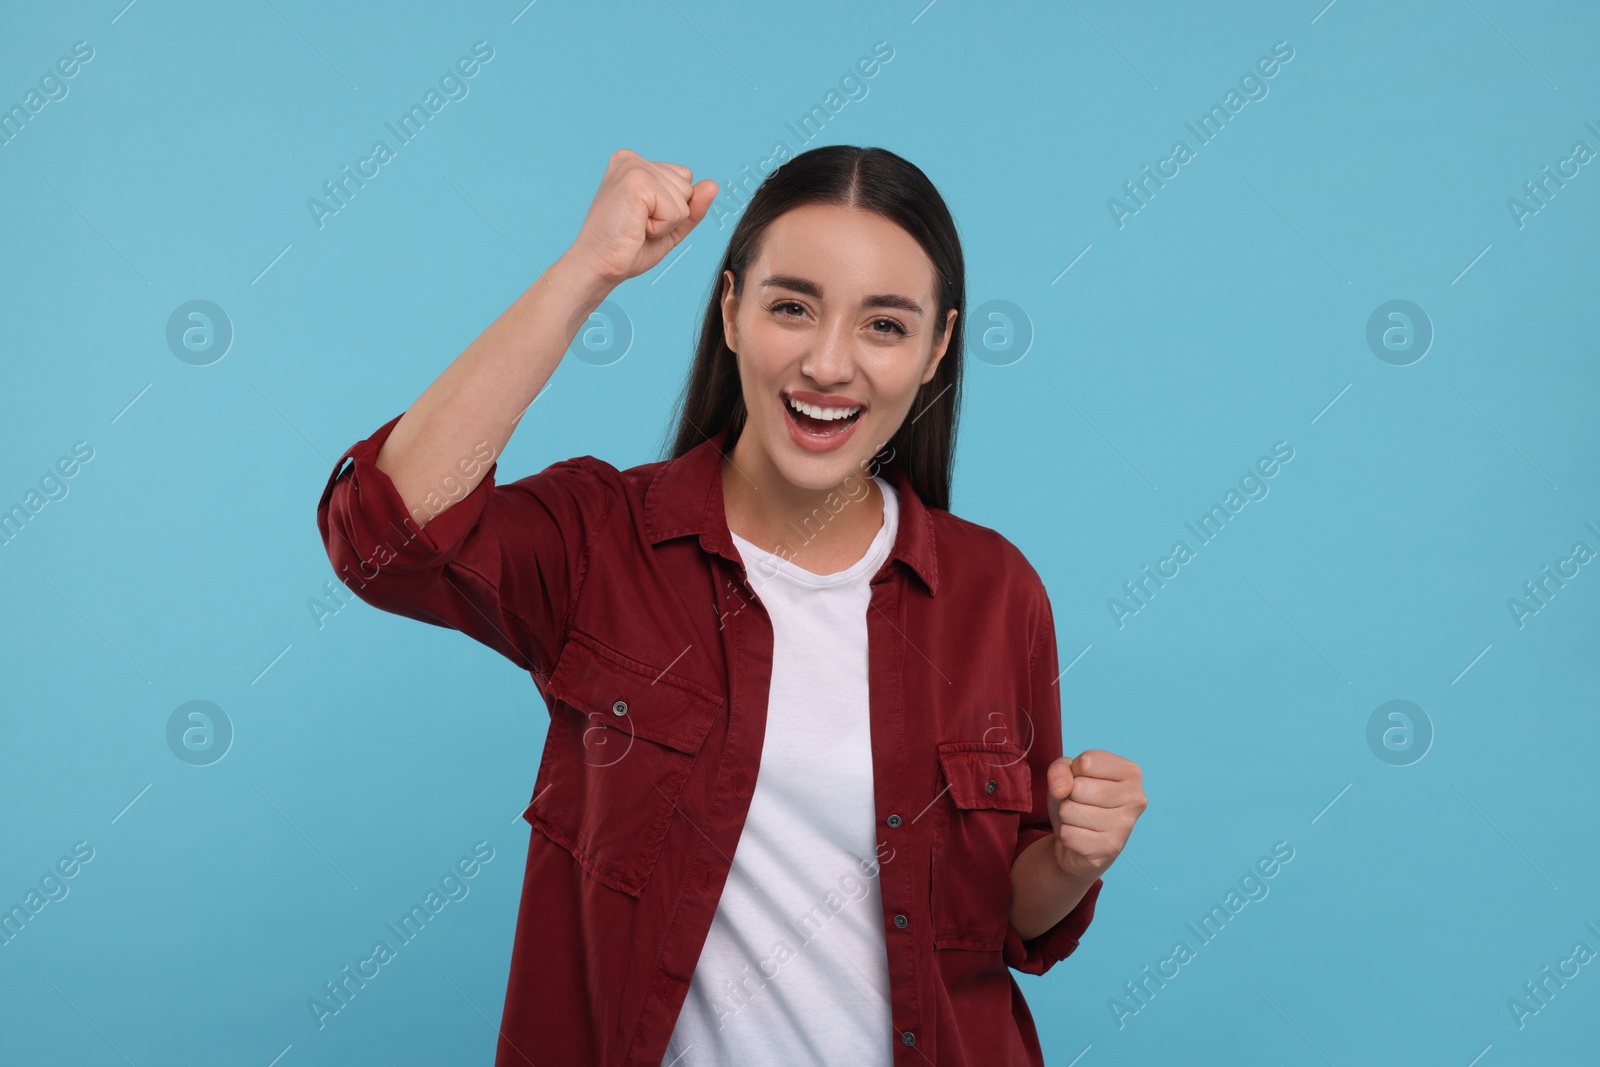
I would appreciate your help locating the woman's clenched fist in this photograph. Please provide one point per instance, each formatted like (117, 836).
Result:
(640, 212)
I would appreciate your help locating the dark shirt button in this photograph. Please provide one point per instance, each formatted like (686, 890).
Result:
(893, 820)
(990, 787)
(621, 708)
(907, 1037)
(901, 921)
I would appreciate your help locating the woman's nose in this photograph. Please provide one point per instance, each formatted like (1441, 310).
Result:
(831, 359)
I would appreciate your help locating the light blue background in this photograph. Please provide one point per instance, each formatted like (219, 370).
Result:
(1227, 315)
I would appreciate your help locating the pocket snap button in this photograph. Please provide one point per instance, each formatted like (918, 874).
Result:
(990, 788)
(621, 708)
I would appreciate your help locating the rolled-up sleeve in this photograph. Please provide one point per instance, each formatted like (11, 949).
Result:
(1038, 954)
(503, 564)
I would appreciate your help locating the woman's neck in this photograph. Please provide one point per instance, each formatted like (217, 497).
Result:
(820, 530)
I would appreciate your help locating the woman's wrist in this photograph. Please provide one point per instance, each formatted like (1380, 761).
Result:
(576, 276)
(1043, 893)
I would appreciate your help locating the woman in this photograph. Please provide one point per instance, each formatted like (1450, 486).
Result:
(802, 798)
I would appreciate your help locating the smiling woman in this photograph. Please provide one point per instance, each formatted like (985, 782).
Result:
(834, 340)
(720, 745)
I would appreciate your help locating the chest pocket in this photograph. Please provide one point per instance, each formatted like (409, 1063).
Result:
(989, 787)
(623, 738)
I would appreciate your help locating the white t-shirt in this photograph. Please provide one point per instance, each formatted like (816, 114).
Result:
(795, 969)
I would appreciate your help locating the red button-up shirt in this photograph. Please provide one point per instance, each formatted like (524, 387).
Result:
(622, 594)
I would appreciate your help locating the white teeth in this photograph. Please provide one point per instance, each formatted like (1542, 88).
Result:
(825, 414)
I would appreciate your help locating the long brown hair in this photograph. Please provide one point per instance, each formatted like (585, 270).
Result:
(870, 179)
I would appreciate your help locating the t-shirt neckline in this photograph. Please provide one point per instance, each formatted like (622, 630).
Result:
(874, 556)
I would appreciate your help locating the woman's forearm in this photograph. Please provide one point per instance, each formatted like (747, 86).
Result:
(480, 396)
(1041, 892)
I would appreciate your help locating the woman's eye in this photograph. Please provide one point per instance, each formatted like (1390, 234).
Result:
(791, 307)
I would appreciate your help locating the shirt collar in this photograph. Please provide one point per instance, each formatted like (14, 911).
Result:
(685, 497)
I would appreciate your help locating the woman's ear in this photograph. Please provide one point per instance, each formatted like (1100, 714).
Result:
(730, 311)
(940, 347)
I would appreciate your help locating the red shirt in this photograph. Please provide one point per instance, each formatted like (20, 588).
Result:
(621, 593)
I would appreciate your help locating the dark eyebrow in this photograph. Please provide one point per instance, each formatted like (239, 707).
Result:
(810, 288)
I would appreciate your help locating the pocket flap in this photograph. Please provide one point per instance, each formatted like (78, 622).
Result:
(622, 694)
(984, 775)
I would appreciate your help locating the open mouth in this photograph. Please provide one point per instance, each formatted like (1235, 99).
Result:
(821, 421)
